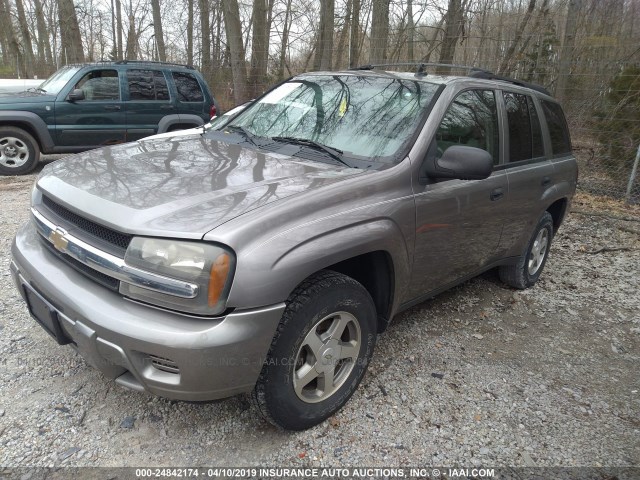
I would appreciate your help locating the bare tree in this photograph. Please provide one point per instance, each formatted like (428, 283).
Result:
(70, 39)
(285, 40)
(568, 46)
(379, 31)
(259, 47)
(26, 39)
(157, 29)
(12, 44)
(205, 29)
(354, 47)
(507, 59)
(344, 32)
(119, 46)
(324, 48)
(190, 32)
(131, 51)
(233, 29)
(453, 19)
(410, 30)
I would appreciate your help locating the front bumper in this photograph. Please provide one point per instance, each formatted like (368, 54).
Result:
(143, 348)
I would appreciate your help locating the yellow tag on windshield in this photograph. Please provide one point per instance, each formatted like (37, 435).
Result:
(343, 107)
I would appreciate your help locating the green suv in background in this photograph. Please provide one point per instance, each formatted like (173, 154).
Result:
(86, 106)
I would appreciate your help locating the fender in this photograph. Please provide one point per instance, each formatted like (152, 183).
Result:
(37, 126)
(552, 194)
(178, 119)
(267, 277)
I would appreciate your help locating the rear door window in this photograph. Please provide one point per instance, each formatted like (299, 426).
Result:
(147, 85)
(188, 87)
(471, 120)
(525, 134)
(558, 129)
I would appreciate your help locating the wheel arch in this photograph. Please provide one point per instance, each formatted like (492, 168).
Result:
(558, 210)
(169, 122)
(374, 271)
(30, 123)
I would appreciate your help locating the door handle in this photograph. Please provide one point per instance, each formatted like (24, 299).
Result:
(497, 194)
(166, 107)
(545, 181)
(112, 107)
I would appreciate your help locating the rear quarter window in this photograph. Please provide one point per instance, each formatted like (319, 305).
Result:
(558, 129)
(187, 87)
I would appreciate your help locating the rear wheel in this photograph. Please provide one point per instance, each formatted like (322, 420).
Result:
(527, 270)
(19, 152)
(320, 352)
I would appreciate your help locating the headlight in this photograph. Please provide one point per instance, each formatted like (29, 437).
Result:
(208, 266)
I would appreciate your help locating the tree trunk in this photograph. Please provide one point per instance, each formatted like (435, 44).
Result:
(219, 55)
(13, 45)
(131, 51)
(70, 40)
(120, 44)
(233, 29)
(190, 32)
(507, 59)
(285, 40)
(452, 29)
(343, 36)
(259, 47)
(379, 31)
(568, 45)
(26, 39)
(324, 48)
(206, 38)
(410, 30)
(354, 41)
(45, 56)
(157, 30)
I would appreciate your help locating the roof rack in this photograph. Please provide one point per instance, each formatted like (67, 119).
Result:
(473, 72)
(145, 62)
(486, 75)
(420, 65)
(126, 62)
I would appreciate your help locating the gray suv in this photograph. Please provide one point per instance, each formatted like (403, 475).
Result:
(268, 256)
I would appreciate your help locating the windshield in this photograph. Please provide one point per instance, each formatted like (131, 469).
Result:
(360, 116)
(58, 80)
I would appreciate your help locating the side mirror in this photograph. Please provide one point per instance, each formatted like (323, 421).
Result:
(460, 162)
(76, 94)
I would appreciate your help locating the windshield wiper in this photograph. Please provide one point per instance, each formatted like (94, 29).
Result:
(246, 133)
(334, 153)
(36, 90)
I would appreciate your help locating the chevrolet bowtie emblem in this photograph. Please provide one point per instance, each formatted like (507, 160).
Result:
(56, 237)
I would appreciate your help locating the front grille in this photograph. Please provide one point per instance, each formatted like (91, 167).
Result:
(105, 236)
(164, 364)
(104, 280)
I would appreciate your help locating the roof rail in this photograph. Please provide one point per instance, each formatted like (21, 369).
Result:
(473, 72)
(421, 66)
(145, 62)
(486, 75)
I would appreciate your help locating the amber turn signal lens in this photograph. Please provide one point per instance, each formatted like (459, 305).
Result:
(218, 277)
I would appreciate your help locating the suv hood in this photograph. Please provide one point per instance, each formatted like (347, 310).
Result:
(179, 187)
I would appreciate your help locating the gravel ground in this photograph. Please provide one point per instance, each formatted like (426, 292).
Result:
(480, 375)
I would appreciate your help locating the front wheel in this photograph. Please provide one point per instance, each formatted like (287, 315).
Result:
(19, 152)
(527, 270)
(320, 352)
